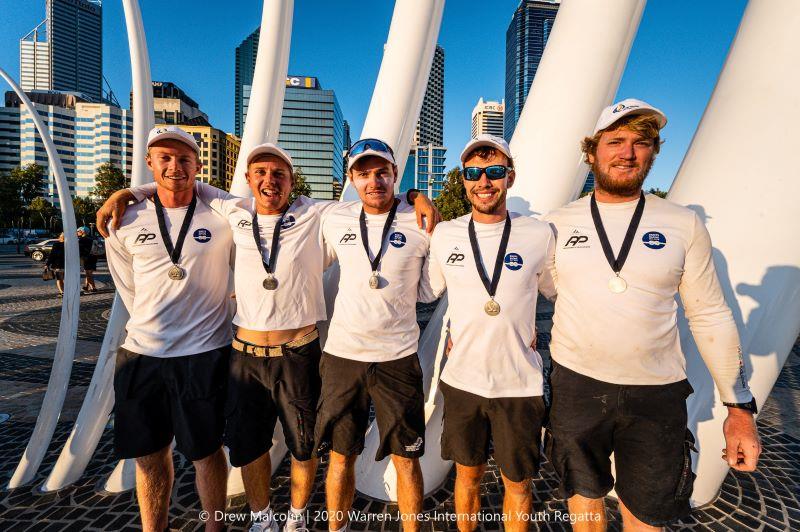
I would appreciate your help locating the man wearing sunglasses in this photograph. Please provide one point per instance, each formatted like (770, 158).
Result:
(619, 377)
(490, 261)
(275, 357)
(370, 354)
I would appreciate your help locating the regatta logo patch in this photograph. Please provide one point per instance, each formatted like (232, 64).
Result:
(144, 237)
(622, 107)
(398, 239)
(576, 240)
(348, 239)
(654, 240)
(202, 235)
(288, 222)
(456, 258)
(244, 223)
(416, 446)
(513, 261)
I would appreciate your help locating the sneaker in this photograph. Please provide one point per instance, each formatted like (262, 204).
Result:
(264, 526)
(295, 523)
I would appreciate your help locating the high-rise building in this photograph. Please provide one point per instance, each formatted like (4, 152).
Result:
(487, 118)
(430, 126)
(233, 145)
(425, 170)
(9, 139)
(526, 37)
(65, 51)
(216, 153)
(103, 134)
(173, 106)
(246, 54)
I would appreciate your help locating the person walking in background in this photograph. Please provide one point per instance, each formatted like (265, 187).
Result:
(88, 259)
(55, 261)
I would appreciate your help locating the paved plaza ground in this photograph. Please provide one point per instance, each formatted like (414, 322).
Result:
(768, 499)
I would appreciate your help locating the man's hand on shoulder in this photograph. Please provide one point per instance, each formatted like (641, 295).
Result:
(424, 208)
(743, 446)
(113, 209)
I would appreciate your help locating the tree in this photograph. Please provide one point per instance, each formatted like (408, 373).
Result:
(657, 192)
(85, 209)
(29, 182)
(43, 209)
(217, 182)
(452, 202)
(11, 206)
(300, 187)
(108, 179)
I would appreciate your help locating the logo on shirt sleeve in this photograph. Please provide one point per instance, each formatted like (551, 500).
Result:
(348, 238)
(288, 221)
(576, 240)
(202, 235)
(513, 261)
(456, 258)
(654, 240)
(397, 239)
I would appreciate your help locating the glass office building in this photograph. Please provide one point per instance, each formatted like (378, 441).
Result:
(526, 37)
(425, 170)
(246, 54)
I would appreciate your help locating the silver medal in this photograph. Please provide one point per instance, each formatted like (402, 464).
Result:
(374, 281)
(617, 284)
(270, 283)
(492, 307)
(176, 273)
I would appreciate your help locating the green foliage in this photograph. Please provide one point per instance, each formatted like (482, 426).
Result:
(29, 182)
(11, 206)
(657, 192)
(108, 179)
(300, 187)
(85, 210)
(217, 182)
(42, 210)
(452, 202)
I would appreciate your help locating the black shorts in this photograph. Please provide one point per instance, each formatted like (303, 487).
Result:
(157, 399)
(395, 388)
(263, 389)
(643, 425)
(512, 425)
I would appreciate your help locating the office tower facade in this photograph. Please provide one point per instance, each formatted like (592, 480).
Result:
(103, 134)
(430, 126)
(425, 170)
(246, 54)
(487, 118)
(233, 146)
(172, 105)
(9, 139)
(526, 38)
(216, 153)
(65, 52)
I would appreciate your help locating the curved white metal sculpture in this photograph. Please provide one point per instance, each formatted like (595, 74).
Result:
(99, 400)
(392, 117)
(737, 176)
(68, 326)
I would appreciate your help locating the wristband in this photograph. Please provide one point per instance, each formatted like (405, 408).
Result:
(408, 195)
(751, 405)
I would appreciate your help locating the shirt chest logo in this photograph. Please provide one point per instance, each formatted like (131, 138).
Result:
(397, 239)
(244, 224)
(577, 240)
(144, 237)
(288, 221)
(513, 261)
(202, 235)
(348, 238)
(456, 258)
(654, 240)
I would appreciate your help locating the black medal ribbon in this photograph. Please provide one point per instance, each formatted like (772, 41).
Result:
(174, 252)
(498, 263)
(618, 262)
(276, 234)
(362, 222)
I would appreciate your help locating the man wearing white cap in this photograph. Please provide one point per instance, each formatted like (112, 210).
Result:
(619, 376)
(490, 262)
(170, 263)
(279, 299)
(370, 354)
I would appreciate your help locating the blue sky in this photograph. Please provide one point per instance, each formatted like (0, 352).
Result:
(676, 58)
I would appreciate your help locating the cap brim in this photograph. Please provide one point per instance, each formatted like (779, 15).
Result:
(476, 143)
(370, 153)
(174, 136)
(270, 150)
(661, 117)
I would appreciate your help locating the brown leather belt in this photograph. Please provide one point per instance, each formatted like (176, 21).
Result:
(273, 350)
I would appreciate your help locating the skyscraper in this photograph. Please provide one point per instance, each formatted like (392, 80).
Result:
(526, 37)
(9, 139)
(246, 54)
(487, 118)
(425, 170)
(430, 126)
(65, 52)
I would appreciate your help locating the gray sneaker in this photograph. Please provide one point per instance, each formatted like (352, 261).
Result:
(264, 526)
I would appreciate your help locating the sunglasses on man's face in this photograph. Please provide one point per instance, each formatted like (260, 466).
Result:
(496, 171)
(369, 144)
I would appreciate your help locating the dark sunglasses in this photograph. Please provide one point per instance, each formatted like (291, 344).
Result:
(360, 146)
(496, 171)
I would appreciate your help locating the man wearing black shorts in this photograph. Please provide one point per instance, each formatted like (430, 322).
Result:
(619, 376)
(169, 261)
(490, 261)
(370, 353)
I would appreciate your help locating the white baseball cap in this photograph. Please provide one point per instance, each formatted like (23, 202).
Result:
(482, 140)
(269, 148)
(172, 133)
(629, 106)
(369, 147)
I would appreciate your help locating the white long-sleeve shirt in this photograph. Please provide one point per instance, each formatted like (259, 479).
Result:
(632, 337)
(172, 318)
(492, 355)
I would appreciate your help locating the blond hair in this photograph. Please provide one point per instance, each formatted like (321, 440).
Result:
(645, 125)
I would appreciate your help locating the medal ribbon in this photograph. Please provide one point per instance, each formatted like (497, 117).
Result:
(276, 234)
(362, 222)
(617, 263)
(174, 252)
(498, 263)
